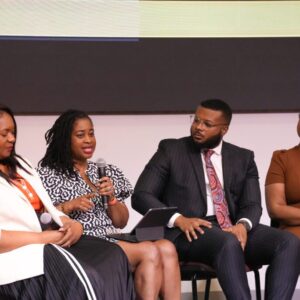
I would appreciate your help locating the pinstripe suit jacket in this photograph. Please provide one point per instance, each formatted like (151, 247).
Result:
(175, 177)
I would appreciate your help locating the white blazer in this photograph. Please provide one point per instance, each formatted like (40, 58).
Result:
(16, 213)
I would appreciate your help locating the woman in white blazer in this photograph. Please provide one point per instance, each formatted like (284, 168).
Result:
(50, 264)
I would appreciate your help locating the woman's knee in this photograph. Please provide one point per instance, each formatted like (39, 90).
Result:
(150, 252)
(166, 249)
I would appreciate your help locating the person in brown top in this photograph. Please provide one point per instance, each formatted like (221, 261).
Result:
(283, 188)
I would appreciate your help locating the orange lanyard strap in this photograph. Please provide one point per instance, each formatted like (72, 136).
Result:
(29, 192)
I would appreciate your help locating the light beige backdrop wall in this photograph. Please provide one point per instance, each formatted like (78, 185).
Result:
(129, 141)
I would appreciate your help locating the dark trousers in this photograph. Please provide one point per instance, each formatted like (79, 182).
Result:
(265, 246)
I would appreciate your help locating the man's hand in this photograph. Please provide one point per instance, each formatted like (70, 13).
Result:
(240, 233)
(190, 225)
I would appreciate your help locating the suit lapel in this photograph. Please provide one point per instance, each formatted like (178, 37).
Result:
(196, 161)
(227, 159)
(226, 165)
(16, 190)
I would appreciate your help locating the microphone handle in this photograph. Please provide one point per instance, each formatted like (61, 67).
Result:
(101, 171)
(105, 202)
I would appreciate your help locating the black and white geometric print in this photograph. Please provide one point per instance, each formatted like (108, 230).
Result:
(62, 188)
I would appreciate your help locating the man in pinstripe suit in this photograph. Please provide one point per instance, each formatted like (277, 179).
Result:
(176, 176)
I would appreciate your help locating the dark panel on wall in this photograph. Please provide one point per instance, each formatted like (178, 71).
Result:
(152, 75)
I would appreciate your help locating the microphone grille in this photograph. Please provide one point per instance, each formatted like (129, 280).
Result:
(45, 218)
(101, 162)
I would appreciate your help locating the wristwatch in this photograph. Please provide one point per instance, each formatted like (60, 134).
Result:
(246, 225)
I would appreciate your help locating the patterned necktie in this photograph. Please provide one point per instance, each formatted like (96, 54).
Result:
(218, 196)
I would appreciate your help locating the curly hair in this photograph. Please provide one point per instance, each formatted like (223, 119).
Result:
(58, 139)
(11, 162)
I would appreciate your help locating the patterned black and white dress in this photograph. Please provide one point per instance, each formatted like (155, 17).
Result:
(62, 188)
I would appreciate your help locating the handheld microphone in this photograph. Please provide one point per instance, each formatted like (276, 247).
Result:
(101, 164)
(46, 221)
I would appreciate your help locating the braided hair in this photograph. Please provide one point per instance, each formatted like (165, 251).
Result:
(58, 139)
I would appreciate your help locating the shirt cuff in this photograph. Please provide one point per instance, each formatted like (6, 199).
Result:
(246, 220)
(172, 220)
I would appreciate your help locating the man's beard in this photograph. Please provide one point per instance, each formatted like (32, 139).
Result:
(211, 143)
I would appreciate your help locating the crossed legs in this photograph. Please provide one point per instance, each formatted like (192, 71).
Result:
(156, 269)
(170, 286)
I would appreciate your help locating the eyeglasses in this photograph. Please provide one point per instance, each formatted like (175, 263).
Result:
(206, 124)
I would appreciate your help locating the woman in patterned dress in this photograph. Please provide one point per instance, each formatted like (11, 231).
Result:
(75, 188)
(58, 264)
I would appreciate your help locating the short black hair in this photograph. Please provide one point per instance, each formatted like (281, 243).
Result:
(58, 139)
(219, 105)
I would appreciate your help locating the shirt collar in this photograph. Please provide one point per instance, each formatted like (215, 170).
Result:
(218, 149)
